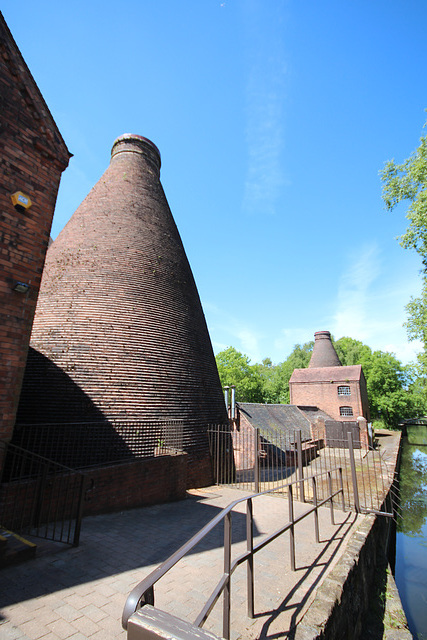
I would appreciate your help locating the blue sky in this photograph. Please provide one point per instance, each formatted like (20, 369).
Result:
(273, 118)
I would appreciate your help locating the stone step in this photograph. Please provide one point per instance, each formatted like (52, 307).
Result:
(14, 548)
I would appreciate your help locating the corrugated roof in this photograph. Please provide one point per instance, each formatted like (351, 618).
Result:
(328, 374)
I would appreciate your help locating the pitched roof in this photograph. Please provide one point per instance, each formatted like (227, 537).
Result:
(328, 374)
(312, 413)
(324, 354)
(272, 417)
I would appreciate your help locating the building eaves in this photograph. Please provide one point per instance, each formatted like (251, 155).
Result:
(327, 374)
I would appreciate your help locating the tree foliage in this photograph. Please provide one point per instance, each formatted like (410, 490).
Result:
(407, 182)
(235, 368)
(394, 391)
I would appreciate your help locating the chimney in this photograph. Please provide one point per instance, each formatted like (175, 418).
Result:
(233, 402)
(226, 389)
(324, 354)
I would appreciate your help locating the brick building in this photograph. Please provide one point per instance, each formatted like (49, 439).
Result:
(276, 423)
(33, 156)
(340, 391)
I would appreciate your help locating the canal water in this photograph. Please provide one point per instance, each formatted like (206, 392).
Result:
(411, 538)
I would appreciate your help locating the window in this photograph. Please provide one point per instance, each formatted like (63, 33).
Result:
(346, 411)
(344, 390)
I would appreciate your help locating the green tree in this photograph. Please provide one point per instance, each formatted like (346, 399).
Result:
(416, 325)
(394, 392)
(407, 182)
(387, 382)
(351, 351)
(235, 368)
(276, 384)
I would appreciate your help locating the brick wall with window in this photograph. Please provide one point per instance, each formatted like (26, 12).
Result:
(338, 391)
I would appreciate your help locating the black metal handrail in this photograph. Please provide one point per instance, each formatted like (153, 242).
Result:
(143, 593)
(40, 497)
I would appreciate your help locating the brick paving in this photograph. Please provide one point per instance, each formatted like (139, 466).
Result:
(78, 593)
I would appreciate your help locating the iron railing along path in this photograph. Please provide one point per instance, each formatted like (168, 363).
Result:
(261, 461)
(82, 445)
(39, 497)
(143, 593)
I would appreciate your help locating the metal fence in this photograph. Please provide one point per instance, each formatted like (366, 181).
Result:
(91, 444)
(39, 497)
(255, 460)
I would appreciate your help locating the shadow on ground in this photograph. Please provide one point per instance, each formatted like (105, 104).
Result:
(114, 543)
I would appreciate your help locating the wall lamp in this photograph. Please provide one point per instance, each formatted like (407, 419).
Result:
(21, 287)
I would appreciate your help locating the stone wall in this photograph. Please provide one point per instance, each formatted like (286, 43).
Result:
(343, 600)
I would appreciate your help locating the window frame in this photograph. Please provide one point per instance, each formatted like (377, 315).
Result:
(344, 386)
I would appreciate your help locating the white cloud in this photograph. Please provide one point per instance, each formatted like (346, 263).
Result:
(290, 337)
(352, 317)
(371, 305)
(232, 331)
(265, 93)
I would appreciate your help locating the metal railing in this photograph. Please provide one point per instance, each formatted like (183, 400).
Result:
(143, 593)
(261, 461)
(39, 497)
(90, 444)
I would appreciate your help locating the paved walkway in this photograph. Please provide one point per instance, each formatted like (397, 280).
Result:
(79, 593)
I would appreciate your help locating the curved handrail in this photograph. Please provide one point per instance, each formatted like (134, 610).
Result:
(143, 593)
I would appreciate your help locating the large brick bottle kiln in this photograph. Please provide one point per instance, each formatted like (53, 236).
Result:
(119, 332)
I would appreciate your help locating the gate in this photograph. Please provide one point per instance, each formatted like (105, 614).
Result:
(336, 433)
(39, 497)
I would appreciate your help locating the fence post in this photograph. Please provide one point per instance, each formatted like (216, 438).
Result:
(353, 472)
(217, 455)
(342, 489)
(300, 466)
(227, 568)
(79, 514)
(291, 529)
(256, 467)
(332, 500)
(316, 513)
(250, 550)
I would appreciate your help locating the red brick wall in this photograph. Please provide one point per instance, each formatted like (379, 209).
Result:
(107, 489)
(199, 471)
(136, 484)
(324, 395)
(32, 158)
(243, 443)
